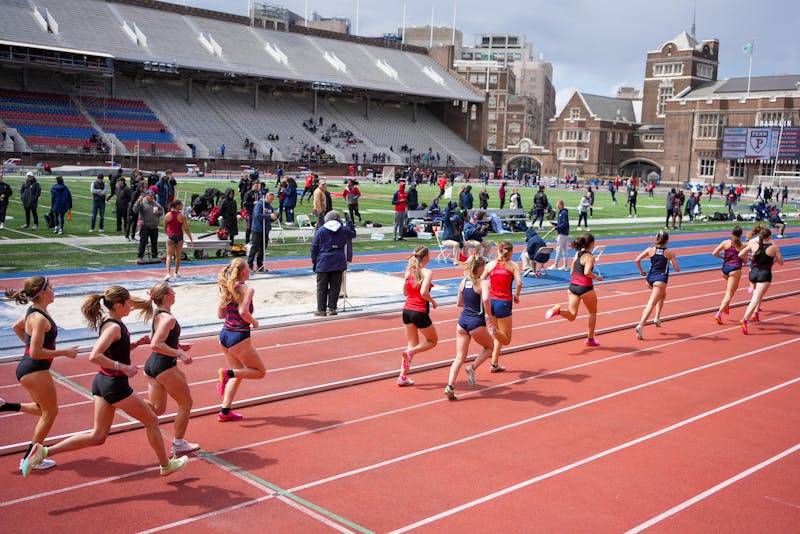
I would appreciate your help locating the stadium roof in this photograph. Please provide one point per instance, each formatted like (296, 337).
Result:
(135, 33)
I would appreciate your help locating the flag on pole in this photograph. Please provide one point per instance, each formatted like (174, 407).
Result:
(748, 48)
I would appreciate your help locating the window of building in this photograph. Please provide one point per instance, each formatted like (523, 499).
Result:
(653, 138)
(766, 168)
(492, 102)
(616, 138)
(667, 69)
(664, 94)
(735, 169)
(473, 112)
(514, 127)
(492, 127)
(481, 78)
(773, 118)
(707, 167)
(575, 113)
(473, 78)
(491, 140)
(710, 125)
(573, 135)
(610, 137)
(493, 78)
(624, 139)
(705, 71)
(466, 55)
(492, 115)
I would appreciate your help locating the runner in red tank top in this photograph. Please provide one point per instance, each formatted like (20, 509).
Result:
(175, 225)
(502, 272)
(416, 318)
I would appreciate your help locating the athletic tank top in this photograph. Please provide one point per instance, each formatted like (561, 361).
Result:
(174, 226)
(473, 305)
(500, 280)
(578, 270)
(730, 257)
(174, 334)
(233, 320)
(659, 262)
(414, 300)
(120, 350)
(761, 259)
(49, 341)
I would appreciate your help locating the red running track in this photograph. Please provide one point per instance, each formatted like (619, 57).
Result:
(693, 429)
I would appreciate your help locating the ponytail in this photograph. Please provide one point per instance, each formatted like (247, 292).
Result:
(472, 267)
(31, 289)
(736, 236)
(227, 279)
(415, 263)
(505, 250)
(113, 295)
(583, 242)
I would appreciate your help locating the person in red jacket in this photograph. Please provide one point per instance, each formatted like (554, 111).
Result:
(400, 214)
(309, 187)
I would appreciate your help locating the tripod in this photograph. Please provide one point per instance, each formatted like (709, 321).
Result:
(343, 302)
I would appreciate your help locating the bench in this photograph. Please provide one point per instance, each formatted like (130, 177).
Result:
(507, 216)
(200, 248)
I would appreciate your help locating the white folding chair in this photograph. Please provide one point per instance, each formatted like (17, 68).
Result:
(305, 230)
(597, 252)
(444, 252)
(277, 231)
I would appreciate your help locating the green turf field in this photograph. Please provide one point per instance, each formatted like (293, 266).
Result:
(50, 251)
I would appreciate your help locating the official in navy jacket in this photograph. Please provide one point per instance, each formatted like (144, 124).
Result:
(331, 251)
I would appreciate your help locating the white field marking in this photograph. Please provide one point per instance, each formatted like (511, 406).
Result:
(789, 504)
(394, 412)
(206, 515)
(722, 485)
(592, 458)
(509, 426)
(26, 234)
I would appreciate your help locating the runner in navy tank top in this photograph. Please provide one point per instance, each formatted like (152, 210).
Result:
(581, 287)
(473, 297)
(236, 308)
(161, 370)
(38, 332)
(110, 388)
(728, 251)
(657, 278)
(765, 255)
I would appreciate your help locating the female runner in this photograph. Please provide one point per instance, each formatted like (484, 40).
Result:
(765, 254)
(728, 251)
(236, 307)
(161, 369)
(473, 297)
(417, 284)
(502, 272)
(110, 388)
(38, 331)
(175, 225)
(581, 287)
(657, 278)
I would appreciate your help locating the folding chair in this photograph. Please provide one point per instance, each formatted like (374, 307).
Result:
(597, 252)
(305, 230)
(276, 227)
(542, 257)
(444, 252)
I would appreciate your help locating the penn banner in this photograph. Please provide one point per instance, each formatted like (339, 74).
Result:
(761, 143)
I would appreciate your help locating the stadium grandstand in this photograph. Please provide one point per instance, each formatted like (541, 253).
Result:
(151, 79)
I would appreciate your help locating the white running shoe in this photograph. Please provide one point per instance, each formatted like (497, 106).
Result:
(47, 463)
(173, 465)
(184, 447)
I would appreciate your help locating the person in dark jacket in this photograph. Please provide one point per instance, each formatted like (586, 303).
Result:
(133, 217)
(539, 205)
(483, 199)
(331, 251)
(60, 203)
(29, 194)
(123, 194)
(562, 229)
(412, 199)
(290, 200)
(466, 200)
(451, 230)
(98, 190)
(533, 242)
(5, 195)
(260, 226)
(228, 212)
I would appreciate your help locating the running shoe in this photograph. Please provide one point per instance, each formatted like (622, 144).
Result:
(727, 310)
(166, 277)
(639, 334)
(743, 323)
(47, 463)
(750, 289)
(497, 368)
(470, 375)
(407, 357)
(173, 465)
(592, 342)
(657, 322)
(755, 318)
(230, 416)
(222, 381)
(184, 447)
(552, 312)
(404, 381)
(34, 458)
(450, 393)
(718, 318)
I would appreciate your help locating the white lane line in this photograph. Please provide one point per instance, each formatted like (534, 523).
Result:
(523, 422)
(592, 458)
(711, 491)
(206, 515)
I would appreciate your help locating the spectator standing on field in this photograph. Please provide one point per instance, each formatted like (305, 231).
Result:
(124, 194)
(98, 190)
(29, 194)
(133, 218)
(540, 203)
(263, 215)
(322, 202)
(5, 196)
(150, 213)
(331, 251)
(60, 204)
(400, 213)
(562, 229)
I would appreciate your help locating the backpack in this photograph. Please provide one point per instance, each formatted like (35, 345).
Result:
(213, 216)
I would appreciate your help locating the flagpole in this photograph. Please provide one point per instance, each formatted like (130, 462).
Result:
(430, 44)
(358, 6)
(750, 67)
(777, 150)
(453, 40)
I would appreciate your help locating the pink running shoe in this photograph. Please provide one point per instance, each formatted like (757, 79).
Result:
(750, 289)
(743, 323)
(407, 357)
(755, 318)
(552, 312)
(592, 342)
(230, 416)
(718, 318)
(404, 381)
(222, 381)
(727, 310)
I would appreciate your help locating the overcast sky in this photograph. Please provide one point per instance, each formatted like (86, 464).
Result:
(594, 46)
